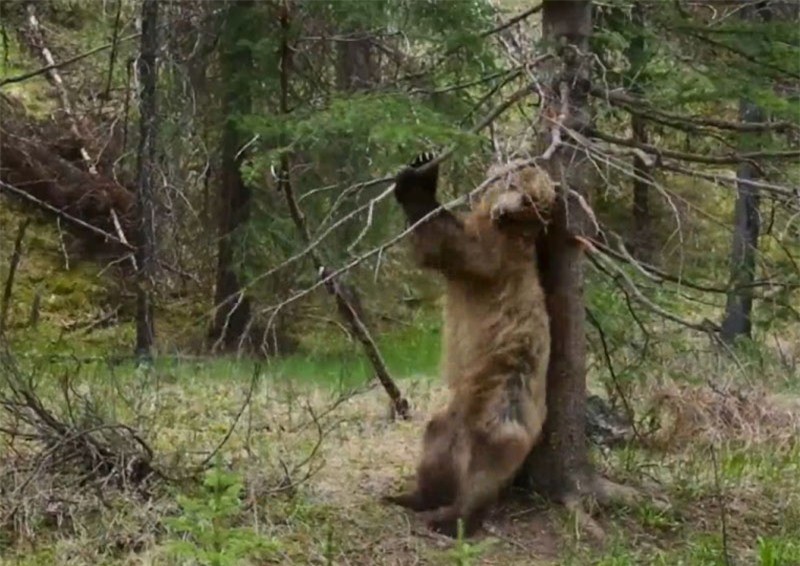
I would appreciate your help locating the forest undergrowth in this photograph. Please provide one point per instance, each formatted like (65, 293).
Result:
(299, 464)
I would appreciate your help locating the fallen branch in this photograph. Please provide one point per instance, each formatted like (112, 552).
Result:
(345, 298)
(81, 442)
(63, 215)
(55, 79)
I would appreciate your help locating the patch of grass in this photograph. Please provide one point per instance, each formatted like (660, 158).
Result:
(408, 352)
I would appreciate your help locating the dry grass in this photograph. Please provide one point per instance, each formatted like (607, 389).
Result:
(702, 413)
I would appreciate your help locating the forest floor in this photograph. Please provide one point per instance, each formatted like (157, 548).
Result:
(313, 460)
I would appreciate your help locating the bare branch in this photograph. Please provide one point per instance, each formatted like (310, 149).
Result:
(729, 159)
(512, 21)
(49, 67)
(641, 107)
(61, 214)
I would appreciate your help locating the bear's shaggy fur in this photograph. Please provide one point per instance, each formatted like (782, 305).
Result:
(496, 339)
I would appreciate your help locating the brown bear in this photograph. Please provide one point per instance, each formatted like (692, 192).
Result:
(496, 339)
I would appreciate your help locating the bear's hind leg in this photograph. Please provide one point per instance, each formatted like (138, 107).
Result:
(493, 464)
(437, 481)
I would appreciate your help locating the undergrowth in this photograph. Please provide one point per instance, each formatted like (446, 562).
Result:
(299, 477)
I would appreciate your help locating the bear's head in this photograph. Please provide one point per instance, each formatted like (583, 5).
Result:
(519, 199)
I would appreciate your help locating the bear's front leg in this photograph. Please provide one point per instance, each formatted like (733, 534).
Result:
(441, 242)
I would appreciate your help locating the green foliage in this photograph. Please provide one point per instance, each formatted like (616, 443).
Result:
(466, 552)
(390, 127)
(777, 552)
(204, 532)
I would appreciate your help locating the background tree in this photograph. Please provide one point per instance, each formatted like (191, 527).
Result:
(234, 199)
(746, 220)
(146, 180)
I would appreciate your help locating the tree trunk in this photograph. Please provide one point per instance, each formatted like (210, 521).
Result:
(558, 466)
(746, 224)
(642, 221)
(145, 182)
(232, 304)
(746, 227)
(355, 69)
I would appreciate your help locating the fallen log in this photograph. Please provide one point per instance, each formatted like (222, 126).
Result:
(29, 164)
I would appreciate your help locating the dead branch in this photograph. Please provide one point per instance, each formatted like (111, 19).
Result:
(346, 304)
(641, 107)
(16, 255)
(52, 66)
(779, 190)
(730, 159)
(520, 164)
(80, 442)
(604, 264)
(55, 79)
(63, 215)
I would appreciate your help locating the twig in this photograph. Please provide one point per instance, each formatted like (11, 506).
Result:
(61, 243)
(704, 326)
(224, 440)
(628, 409)
(16, 254)
(555, 131)
(122, 238)
(112, 57)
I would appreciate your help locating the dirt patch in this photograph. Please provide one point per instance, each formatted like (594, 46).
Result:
(369, 456)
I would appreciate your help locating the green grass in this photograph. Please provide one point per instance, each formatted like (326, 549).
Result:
(408, 352)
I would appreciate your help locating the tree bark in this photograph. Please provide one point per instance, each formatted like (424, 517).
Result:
(233, 309)
(746, 224)
(145, 182)
(559, 467)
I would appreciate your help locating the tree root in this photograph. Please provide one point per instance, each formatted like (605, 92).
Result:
(600, 492)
